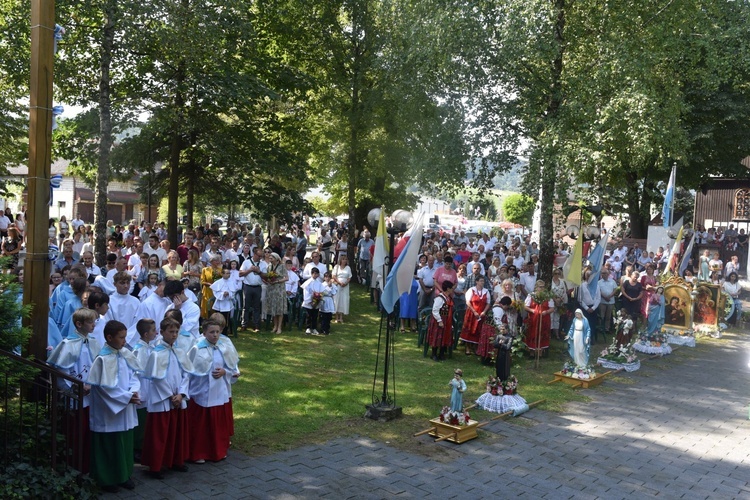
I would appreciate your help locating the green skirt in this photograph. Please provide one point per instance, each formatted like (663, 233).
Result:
(111, 457)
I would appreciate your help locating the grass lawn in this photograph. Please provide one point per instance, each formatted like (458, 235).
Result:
(297, 389)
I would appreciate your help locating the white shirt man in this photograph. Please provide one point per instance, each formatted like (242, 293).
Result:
(154, 248)
(316, 263)
(77, 222)
(621, 251)
(92, 270)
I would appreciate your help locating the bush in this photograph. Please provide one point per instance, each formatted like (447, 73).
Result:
(22, 480)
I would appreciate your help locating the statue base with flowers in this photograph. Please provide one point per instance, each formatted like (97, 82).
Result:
(456, 427)
(502, 396)
(619, 357)
(579, 376)
(654, 343)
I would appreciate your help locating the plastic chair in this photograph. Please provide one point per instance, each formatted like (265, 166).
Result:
(423, 321)
(236, 317)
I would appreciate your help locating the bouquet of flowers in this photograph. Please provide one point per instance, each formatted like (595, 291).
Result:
(510, 386)
(579, 372)
(316, 299)
(517, 305)
(542, 296)
(655, 339)
(492, 385)
(619, 354)
(453, 417)
(271, 276)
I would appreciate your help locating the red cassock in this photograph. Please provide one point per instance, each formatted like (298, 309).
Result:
(536, 320)
(166, 442)
(209, 438)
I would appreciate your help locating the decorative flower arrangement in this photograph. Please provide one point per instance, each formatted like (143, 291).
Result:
(579, 372)
(453, 417)
(492, 385)
(316, 299)
(655, 339)
(619, 354)
(510, 386)
(679, 331)
(517, 305)
(713, 331)
(728, 303)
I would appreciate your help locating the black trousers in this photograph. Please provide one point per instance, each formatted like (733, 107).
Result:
(252, 303)
(325, 322)
(312, 319)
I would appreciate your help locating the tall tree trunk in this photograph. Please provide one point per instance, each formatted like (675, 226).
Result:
(175, 151)
(175, 148)
(105, 133)
(639, 205)
(192, 179)
(355, 125)
(548, 167)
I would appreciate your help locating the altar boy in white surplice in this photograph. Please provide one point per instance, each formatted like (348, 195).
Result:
(114, 396)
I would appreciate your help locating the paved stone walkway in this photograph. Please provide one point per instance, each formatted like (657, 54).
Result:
(677, 428)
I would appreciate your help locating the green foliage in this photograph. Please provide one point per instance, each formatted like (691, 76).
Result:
(12, 334)
(15, 40)
(21, 480)
(519, 209)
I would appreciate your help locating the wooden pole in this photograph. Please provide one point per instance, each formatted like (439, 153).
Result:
(420, 433)
(447, 436)
(37, 266)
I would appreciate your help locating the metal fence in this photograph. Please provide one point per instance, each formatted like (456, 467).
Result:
(42, 420)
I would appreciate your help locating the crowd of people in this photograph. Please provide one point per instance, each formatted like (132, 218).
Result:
(475, 285)
(148, 333)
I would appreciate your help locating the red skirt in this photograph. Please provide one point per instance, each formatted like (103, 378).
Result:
(166, 442)
(210, 437)
(485, 347)
(533, 321)
(230, 418)
(440, 337)
(472, 327)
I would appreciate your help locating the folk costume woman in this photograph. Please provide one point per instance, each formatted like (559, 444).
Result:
(538, 321)
(478, 303)
(579, 340)
(440, 331)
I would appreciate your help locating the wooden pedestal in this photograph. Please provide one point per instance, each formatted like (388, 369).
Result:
(577, 382)
(454, 433)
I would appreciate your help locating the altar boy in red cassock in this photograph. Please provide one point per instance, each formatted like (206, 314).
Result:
(215, 369)
(167, 431)
(114, 396)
